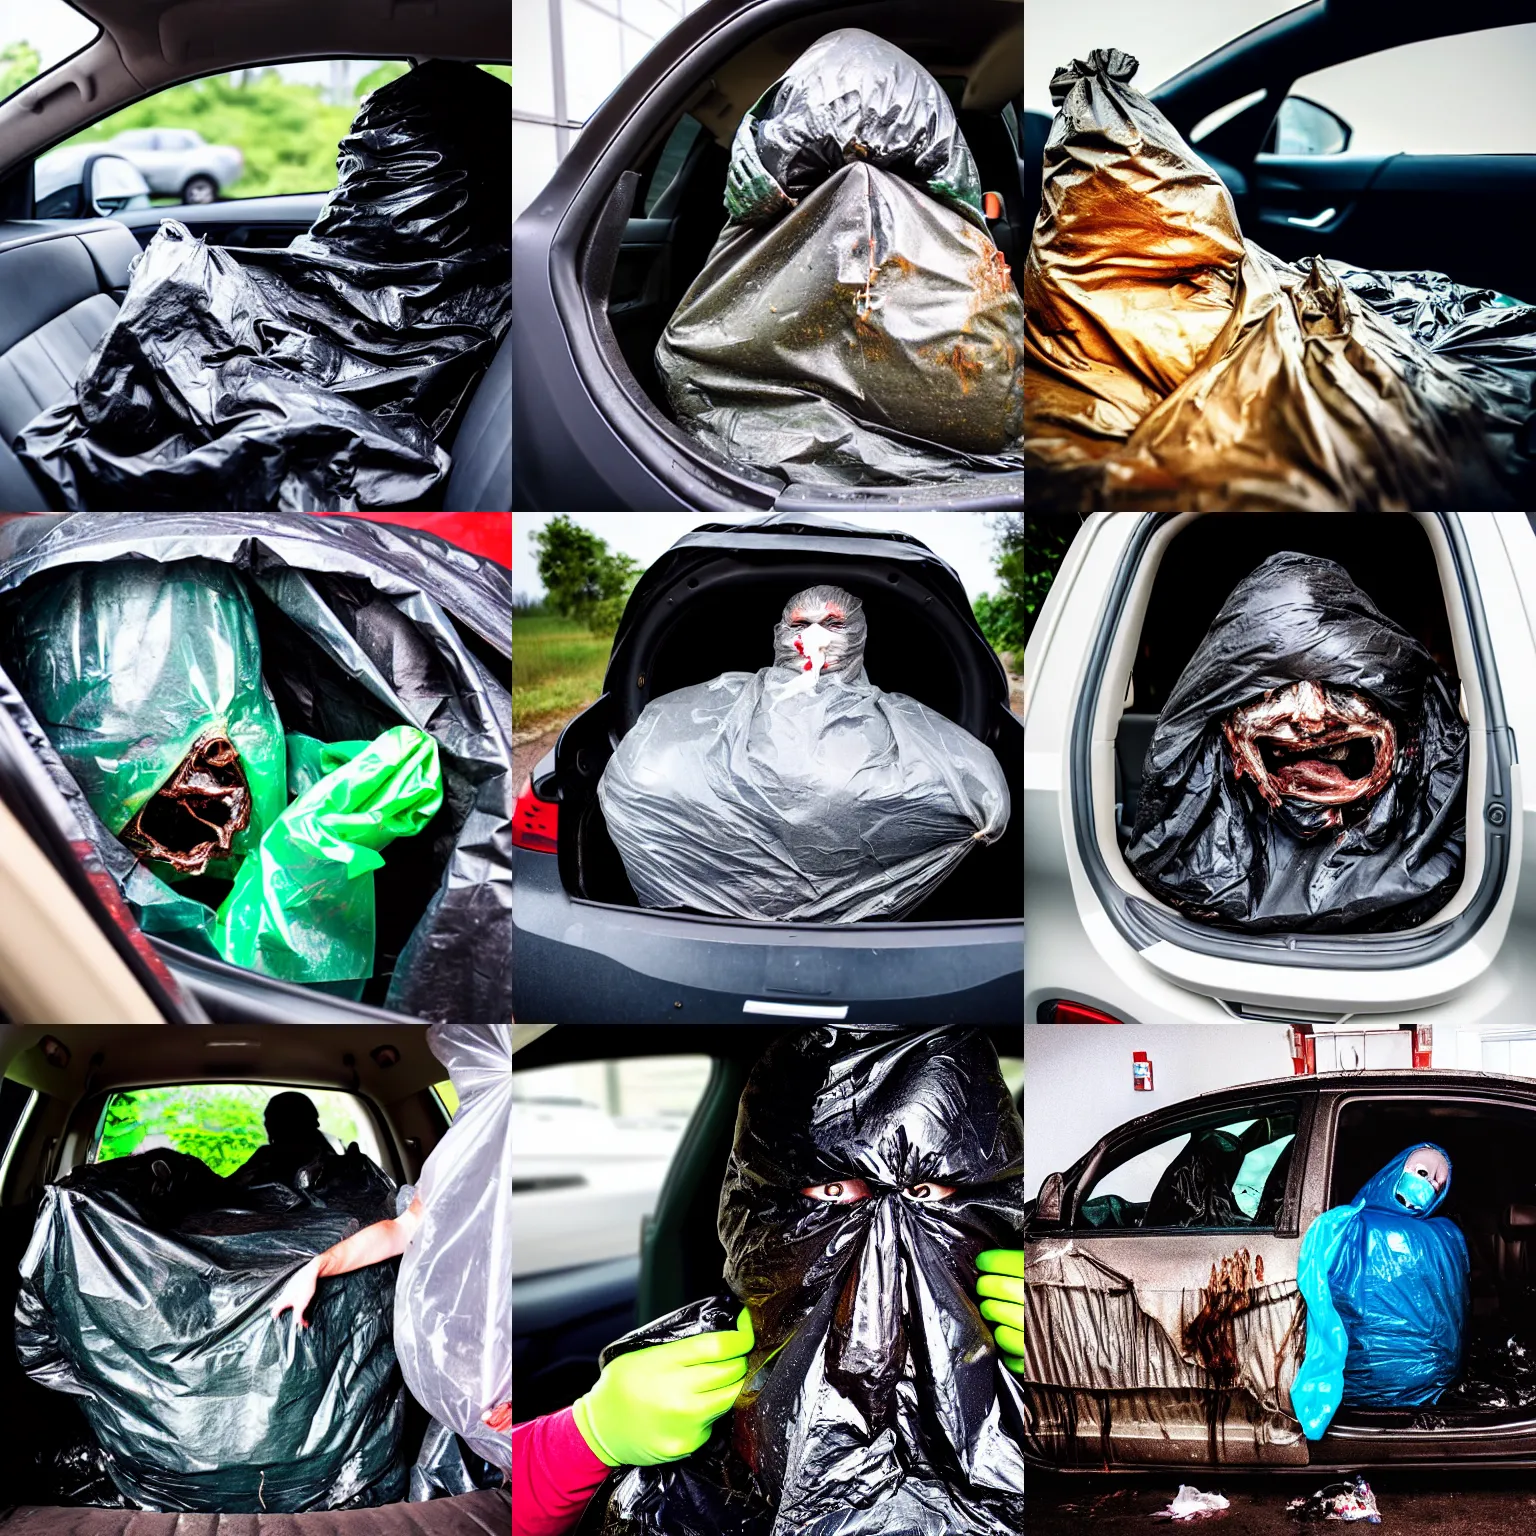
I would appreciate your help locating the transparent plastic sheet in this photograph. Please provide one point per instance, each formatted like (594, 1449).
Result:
(1172, 364)
(363, 633)
(1385, 1282)
(145, 1293)
(875, 1401)
(323, 376)
(1208, 841)
(453, 1306)
(854, 324)
(801, 792)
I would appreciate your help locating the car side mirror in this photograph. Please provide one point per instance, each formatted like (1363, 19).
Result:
(1305, 127)
(113, 184)
(1048, 1202)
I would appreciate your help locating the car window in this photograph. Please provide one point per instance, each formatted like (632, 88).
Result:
(259, 132)
(35, 36)
(1212, 1176)
(221, 1123)
(673, 153)
(591, 1144)
(1464, 95)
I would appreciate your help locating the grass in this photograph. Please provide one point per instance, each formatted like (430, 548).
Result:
(557, 668)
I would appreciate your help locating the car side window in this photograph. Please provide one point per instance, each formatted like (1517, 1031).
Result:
(591, 1144)
(673, 153)
(1411, 100)
(1208, 1175)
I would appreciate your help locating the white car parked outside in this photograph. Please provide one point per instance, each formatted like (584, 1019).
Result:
(177, 162)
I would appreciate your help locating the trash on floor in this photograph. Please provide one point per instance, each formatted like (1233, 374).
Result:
(319, 377)
(1498, 1372)
(1383, 1332)
(1308, 772)
(1190, 1504)
(1172, 364)
(801, 792)
(874, 1407)
(158, 1340)
(1352, 1500)
(854, 324)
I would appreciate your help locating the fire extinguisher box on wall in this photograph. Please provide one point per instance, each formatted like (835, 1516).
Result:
(1141, 1072)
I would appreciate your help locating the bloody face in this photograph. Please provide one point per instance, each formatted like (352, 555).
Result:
(197, 812)
(1312, 743)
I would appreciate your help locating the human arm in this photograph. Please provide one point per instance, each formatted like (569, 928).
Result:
(373, 1245)
(554, 1475)
(1001, 1287)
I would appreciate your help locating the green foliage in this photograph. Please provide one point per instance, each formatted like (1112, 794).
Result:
(19, 63)
(1046, 541)
(557, 668)
(584, 579)
(219, 1123)
(1001, 617)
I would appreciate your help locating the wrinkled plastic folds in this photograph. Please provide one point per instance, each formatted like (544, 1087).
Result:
(145, 1293)
(1172, 364)
(801, 792)
(1385, 1282)
(854, 324)
(323, 376)
(1351, 1502)
(1208, 842)
(362, 630)
(453, 1305)
(875, 1400)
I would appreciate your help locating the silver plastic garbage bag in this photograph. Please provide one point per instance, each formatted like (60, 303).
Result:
(801, 792)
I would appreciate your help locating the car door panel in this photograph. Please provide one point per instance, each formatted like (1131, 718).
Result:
(560, 1324)
(264, 223)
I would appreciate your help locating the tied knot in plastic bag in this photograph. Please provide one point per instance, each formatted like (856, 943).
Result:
(875, 1400)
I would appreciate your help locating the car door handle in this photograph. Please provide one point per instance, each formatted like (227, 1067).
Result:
(795, 1010)
(1315, 222)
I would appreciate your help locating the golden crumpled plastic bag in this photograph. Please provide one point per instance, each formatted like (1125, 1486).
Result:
(1169, 363)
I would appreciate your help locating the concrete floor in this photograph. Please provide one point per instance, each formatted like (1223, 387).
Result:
(1464, 1504)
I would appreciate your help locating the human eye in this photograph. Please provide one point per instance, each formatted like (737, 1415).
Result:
(838, 1192)
(928, 1191)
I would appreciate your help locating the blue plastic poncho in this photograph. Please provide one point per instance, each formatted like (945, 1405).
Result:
(1385, 1283)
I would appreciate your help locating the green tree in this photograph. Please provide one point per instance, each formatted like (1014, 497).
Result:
(1001, 617)
(584, 579)
(19, 63)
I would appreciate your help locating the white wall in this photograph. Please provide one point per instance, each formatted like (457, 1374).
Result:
(1077, 1078)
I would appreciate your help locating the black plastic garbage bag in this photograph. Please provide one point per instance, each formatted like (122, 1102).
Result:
(1308, 772)
(854, 324)
(323, 376)
(145, 1293)
(875, 1401)
(800, 792)
(361, 630)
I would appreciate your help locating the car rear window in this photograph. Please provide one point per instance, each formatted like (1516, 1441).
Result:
(220, 1123)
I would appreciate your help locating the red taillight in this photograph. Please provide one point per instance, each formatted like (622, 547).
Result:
(535, 822)
(1303, 1050)
(1059, 1010)
(1423, 1045)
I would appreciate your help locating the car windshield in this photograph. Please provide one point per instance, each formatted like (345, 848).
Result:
(1165, 38)
(36, 36)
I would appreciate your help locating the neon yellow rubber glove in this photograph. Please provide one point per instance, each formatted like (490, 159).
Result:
(657, 1404)
(1001, 1288)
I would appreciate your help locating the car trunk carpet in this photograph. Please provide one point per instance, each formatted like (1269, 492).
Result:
(320, 377)
(1171, 364)
(854, 324)
(487, 1513)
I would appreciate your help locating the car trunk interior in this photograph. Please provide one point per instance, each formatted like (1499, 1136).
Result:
(915, 647)
(680, 208)
(1492, 1199)
(1392, 563)
(58, 1134)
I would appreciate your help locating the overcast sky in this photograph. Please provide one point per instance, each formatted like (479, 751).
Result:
(961, 538)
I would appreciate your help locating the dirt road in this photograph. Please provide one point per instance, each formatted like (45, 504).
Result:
(528, 747)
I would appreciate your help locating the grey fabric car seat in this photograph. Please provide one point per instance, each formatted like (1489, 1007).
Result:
(59, 289)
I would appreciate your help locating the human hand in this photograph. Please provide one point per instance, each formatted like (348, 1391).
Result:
(1001, 1288)
(298, 1293)
(657, 1404)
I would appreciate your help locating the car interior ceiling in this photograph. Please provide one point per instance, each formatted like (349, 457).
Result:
(1492, 1199)
(1208, 558)
(103, 1058)
(731, 629)
(973, 47)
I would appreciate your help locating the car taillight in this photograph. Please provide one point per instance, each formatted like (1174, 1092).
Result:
(1303, 1050)
(1061, 1010)
(535, 822)
(1423, 1044)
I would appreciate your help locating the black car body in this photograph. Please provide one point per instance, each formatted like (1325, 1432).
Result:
(603, 254)
(586, 952)
(1153, 1343)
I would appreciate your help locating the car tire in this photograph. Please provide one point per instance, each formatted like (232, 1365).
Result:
(200, 189)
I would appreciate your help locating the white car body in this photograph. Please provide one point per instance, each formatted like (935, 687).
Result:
(169, 158)
(1095, 935)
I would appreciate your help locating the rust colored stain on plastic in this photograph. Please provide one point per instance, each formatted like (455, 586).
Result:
(198, 811)
(1211, 1335)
